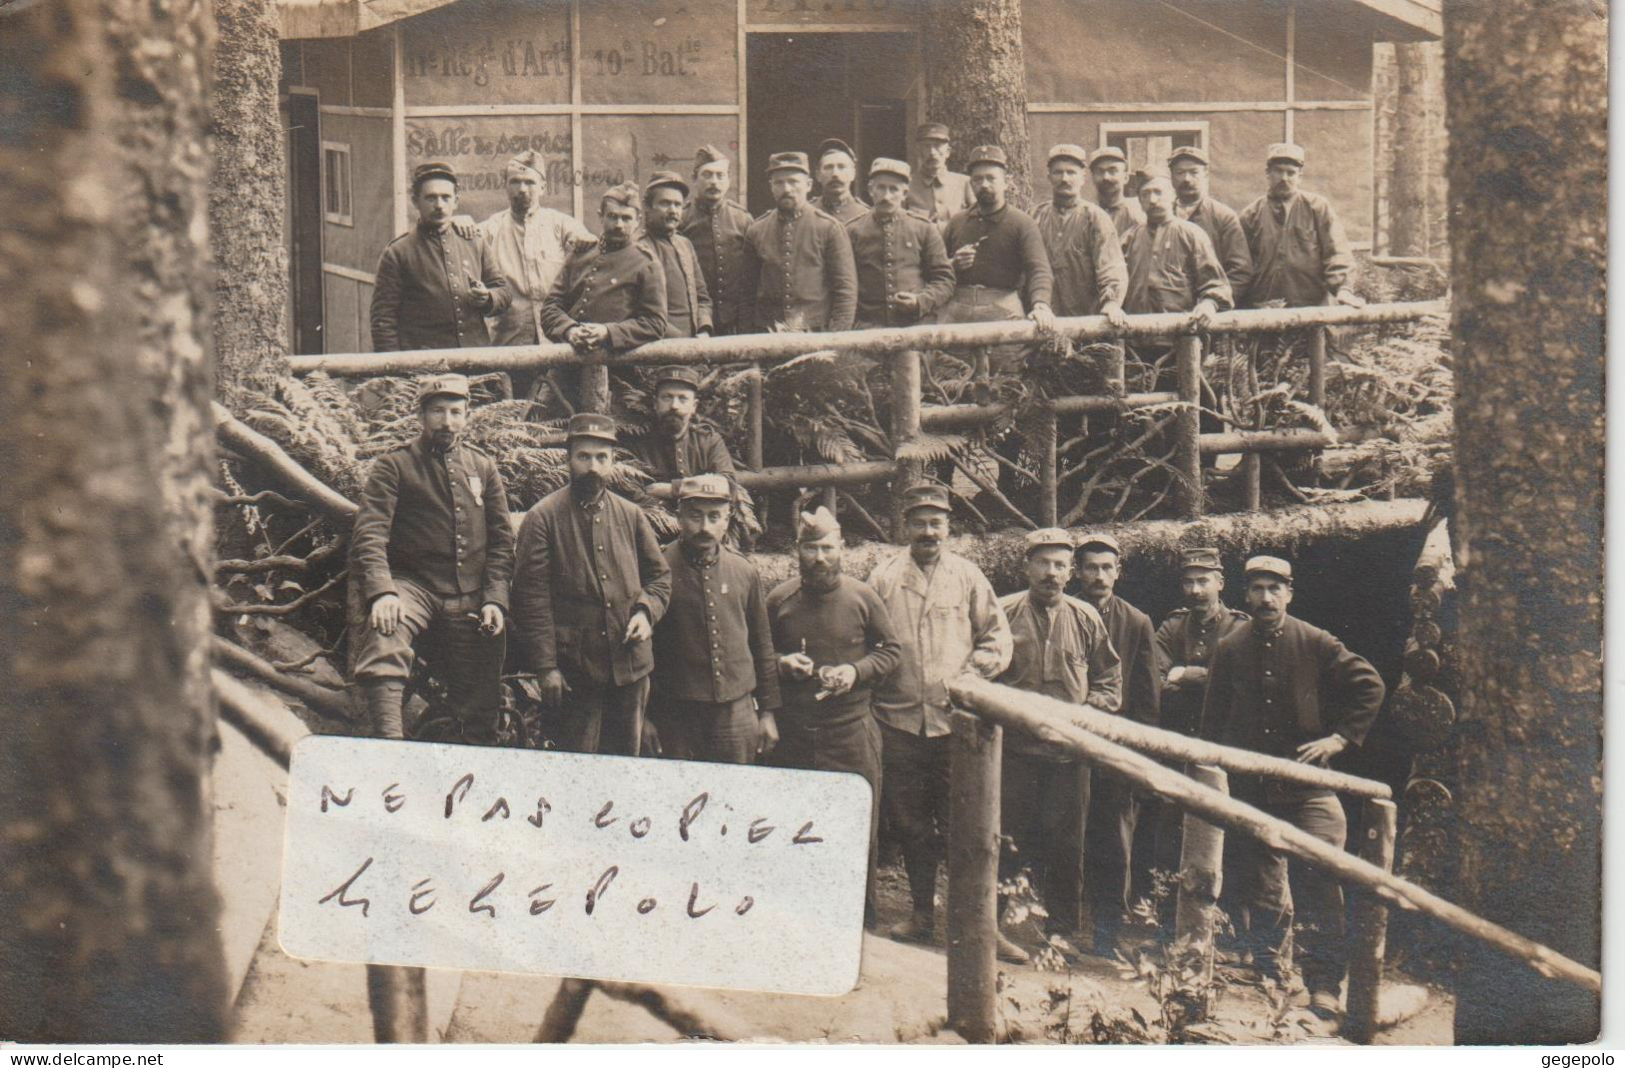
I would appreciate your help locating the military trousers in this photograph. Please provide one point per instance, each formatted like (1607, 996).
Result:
(1041, 811)
(1108, 854)
(1281, 894)
(916, 803)
(467, 660)
(722, 732)
(603, 718)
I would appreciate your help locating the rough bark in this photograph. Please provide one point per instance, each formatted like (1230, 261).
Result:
(110, 931)
(247, 197)
(976, 78)
(1408, 204)
(1527, 85)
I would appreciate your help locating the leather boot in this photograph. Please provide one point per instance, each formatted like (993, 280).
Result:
(384, 706)
(1011, 953)
(919, 927)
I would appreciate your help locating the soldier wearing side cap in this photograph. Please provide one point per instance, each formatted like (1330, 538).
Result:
(716, 676)
(797, 265)
(903, 271)
(688, 301)
(835, 642)
(1288, 689)
(1188, 170)
(1185, 643)
(1300, 254)
(933, 188)
(716, 225)
(434, 287)
(1110, 880)
(590, 583)
(837, 178)
(610, 295)
(432, 553)
(1108, 167)
(1081, 241)
(1062, 650)
(949, 621)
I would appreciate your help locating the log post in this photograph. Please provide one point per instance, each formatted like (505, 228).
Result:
(905, 428)
(1369, 936)
(758, 408)
(973, 877)
(399, 1002)
(594, 388)
(1252, 469)
(1317, 366)
(1188, 428)
(1048, 506)
(1201, 872)
(564, 1011)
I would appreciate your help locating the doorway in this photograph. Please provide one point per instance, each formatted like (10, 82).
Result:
(801, 88)
(305, 220)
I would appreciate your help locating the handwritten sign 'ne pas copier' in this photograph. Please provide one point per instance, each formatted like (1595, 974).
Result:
(601, 867)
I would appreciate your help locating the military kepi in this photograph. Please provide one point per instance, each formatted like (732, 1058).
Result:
(895, 167)
(1190, 152)
(989, 154)
(1100, 541)
(679, 375)
(591, 425)
(442, 386)
(1287, 151)
(926, 495)
(425, 171)
(1109, 152)
(704, 488)
(1071, 152)
(788, 161)
(1205, 559)
(932, 131)
(1047, 538)
(835, 144)
(1270, 565)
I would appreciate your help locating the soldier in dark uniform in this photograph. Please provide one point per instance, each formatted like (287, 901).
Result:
(431, 554)
(1285, 688)
(903, 271)
(1187, 168)
(679, 444)
(1113, 810)
(717, 227)
(590, 583)
(837, 176)
(611, 295)
(434, 287)
(1185, 645)
(797, 264)
(688, 302)
(716, 674)
(835, 642)
(1109, 168)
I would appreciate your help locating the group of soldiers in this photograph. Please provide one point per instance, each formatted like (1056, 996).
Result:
(681, 259)
(681, 650)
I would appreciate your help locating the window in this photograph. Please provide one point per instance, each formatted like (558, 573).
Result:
(336, 183)
(1147, 144)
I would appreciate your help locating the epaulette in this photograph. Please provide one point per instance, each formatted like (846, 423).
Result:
(1240, 616)
(916, 213)
(763, 217)
(1179, 613)
(816, 210)
(398, 237)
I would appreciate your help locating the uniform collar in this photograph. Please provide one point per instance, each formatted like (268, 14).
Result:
(431, 230)
(703, 560)
(1271, 632)
(995, 213)
(798, 213)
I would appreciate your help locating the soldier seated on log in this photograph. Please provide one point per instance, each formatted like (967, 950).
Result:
(1287, 689)
(432, 553)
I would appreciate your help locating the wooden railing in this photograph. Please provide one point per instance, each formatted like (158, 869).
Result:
(1109, 742)
(910, 417)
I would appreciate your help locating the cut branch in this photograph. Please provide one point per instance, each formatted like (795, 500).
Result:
(290, 607)
(331, 703)
(284, 469)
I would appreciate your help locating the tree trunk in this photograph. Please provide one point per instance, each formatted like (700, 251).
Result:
(1527, 85)
(247, 198)
(976, 77)
(105, 542)
(1408, 203)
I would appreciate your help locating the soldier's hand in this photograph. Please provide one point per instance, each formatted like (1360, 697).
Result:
(1350, 298)
(838, 679)
(638, 629)
(1321, 750)
(465, 227)
(767, 733)
(581, 244)
(649, 745)
(554, 687)
(1193, 675)
(477, 290)
(796, 666)
(965, 258)
(1113, 312)
(909, 302)
(386, 614)
(1043, 317)
(594, 334)
(1200, 318)
(491, 619)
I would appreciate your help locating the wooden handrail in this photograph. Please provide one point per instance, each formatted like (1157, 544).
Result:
(888, 341)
